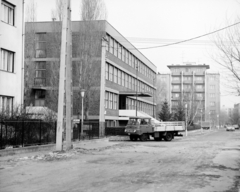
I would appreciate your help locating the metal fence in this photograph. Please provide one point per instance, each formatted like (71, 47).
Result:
(20, 133)
(90, 131)
(113, 131)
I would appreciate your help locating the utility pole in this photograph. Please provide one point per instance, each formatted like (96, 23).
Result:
(65, 81)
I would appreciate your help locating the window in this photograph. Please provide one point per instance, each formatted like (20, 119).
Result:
(212, 78)
(108, 42)
(114, 101)
(40, 45)
(126, 80)
(110, 100)
(212, 95)
(119, 51)
(174, 78)
(130, 82)
(199, 78)
(110, 73)
(126, 56)
(212, 87)
(106, 99)
(119, 77)
(176, 87)
(212, 104)
(40, 98)
(123, 54)
(176, 95)
(115, 75)
(7, 10)
(106, 71)
(199, 86)
(6, 104)
(111, 45)
(123, 78)
(115, 48)
(40, 69)
(130, 59)
(7, 61)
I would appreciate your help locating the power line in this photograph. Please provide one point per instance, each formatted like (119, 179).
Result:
(175, 43)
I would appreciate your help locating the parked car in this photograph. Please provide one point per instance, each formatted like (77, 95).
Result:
(230, 128)
(236, 126)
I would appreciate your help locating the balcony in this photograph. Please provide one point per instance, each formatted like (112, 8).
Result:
(176, 81)
(199, 90)
(39, 82)
(187, 81)
(199, 73)
(176, 73)
(199, 82)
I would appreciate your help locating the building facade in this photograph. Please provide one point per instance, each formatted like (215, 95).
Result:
(11, 54)
(191, 84)
(121, 76)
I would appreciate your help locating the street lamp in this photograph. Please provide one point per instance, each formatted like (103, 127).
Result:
(186, 119)
(218, 121)
(82, 94)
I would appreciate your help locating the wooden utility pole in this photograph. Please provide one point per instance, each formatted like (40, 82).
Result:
(65, 81)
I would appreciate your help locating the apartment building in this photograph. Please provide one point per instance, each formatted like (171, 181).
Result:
(11, 54)
(191, 84)
(124, 77)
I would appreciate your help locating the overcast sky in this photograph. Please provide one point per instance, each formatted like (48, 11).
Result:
(147, 23)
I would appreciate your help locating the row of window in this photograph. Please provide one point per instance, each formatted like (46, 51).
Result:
(118, 76)
(187, 69)
(7, 60)
(127, 57)
(6, 104)
(111, 100)
(185, 86)
(198, 95)
(7, 10)
(142, 106)
(187, 78)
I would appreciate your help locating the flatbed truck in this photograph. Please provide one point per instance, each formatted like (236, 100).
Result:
(142, 128)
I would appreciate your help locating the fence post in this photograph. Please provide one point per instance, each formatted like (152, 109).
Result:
(22, 133)
(55, 131)
(15, 129)
(1, 136)
(6, 134)
(40, 132)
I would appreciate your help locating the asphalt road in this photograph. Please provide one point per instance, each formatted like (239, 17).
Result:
(208, 161)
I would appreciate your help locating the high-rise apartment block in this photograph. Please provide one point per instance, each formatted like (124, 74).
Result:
(193, 85)
(11, 54)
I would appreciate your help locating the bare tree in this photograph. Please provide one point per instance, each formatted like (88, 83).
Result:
(57, 13)
(161, 94)
(31, 11)
(89, 49)
(228, 57)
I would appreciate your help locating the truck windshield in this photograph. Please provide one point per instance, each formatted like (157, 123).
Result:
(132, 122)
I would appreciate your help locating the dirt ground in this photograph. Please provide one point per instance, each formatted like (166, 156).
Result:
(208, 161)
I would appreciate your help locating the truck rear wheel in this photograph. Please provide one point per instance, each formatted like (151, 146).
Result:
(144, 137)
(168, 136)
(133, 138)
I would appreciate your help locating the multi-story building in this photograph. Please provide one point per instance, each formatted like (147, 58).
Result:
(11, 54)
(122, 74)
(191, 84)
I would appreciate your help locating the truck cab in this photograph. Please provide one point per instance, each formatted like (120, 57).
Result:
(139, 127)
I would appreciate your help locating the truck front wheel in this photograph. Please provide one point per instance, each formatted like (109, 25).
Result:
(168, 136)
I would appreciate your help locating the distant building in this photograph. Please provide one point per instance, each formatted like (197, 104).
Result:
(123, 73)
(11, 54)
(192, 84)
